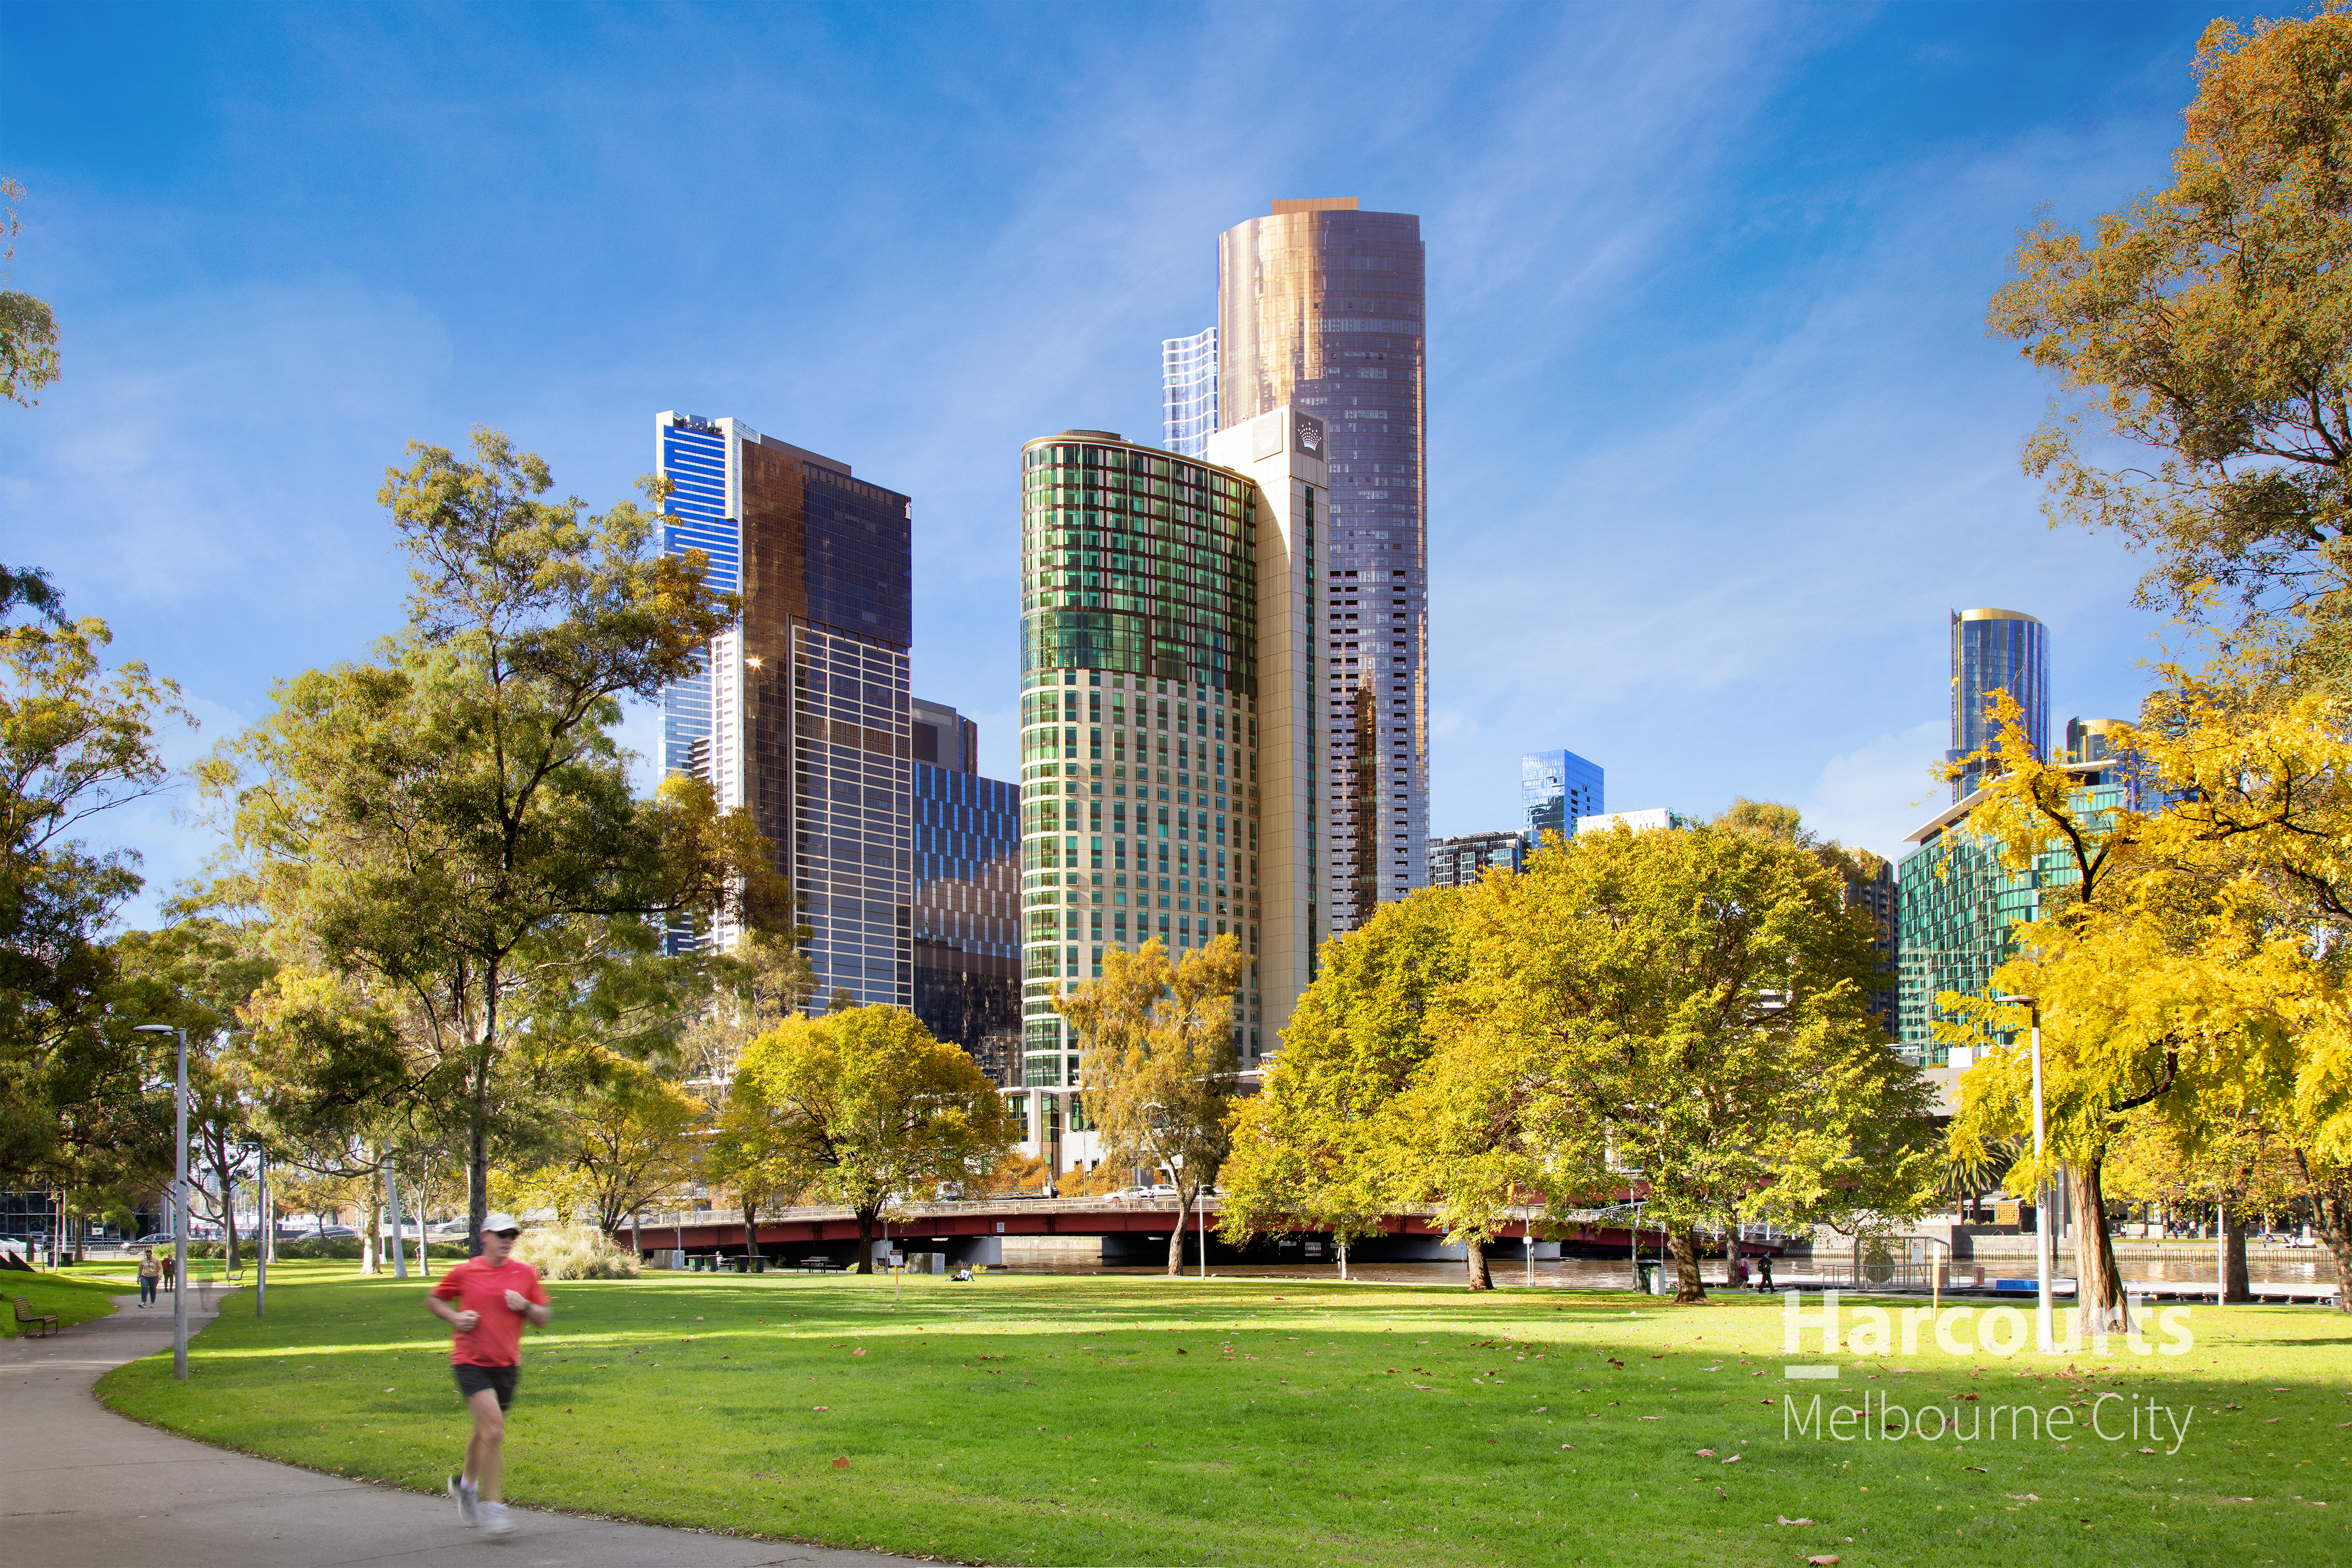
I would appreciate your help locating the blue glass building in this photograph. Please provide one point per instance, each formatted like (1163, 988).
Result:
(967, 931)
(1188, 415)
(1555, 789)
(1995, 651)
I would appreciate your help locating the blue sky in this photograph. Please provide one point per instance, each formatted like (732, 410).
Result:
(1716, 433)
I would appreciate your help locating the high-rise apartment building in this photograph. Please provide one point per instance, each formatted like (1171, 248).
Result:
(1995, 651)
(1168, 720)
(1555, 789)
(802, 714)
(1460, 862)
(1320, 308)
(1956, 903)
(1189, 392)
(967, 922)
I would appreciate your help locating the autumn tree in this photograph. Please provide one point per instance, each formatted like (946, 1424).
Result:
(1691, 1007)
(863, 1108)
(28, 328)
(1160, 1071)
(453, 823)
(1311, 1152)
(622, 1137)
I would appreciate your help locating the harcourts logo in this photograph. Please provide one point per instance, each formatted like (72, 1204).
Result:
(1968, 1333)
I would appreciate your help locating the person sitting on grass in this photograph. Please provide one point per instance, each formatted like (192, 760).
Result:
(494, 1295)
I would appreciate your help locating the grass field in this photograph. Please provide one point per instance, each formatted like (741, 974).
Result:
(75, 1297)
(1124, 1420)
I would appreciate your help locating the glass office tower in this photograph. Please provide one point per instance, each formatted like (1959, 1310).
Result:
(1461, 862)
(1321, 306)
(967, 935)
(802, 714)
(1168, 719)
(1189, 392)
(1555, 789)
(1995, 651)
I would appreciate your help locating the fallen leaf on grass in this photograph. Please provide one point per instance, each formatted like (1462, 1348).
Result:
(820, 1407)
(1733, 1460)
(1706, 1453)
(1978, 1468)
(1787, 1521)
(2021, 1497)
(1822, 1561)
(1649, 1418)
(841, 1464)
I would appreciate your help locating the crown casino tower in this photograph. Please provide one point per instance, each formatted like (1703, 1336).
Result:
(1322, 306)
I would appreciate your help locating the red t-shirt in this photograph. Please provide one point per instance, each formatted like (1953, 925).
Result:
(496, 1338)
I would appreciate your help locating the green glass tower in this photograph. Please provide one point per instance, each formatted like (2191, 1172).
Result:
(1168, 719)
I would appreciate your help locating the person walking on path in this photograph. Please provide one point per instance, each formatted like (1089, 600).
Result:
(487, 1301)
(150, 1274)
(169, 1264)
(1764, 1272)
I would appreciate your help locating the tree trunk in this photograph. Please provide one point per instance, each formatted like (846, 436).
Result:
(2098, 1291)
(751, 1230)
(2230, 1255)
(1688, 1286)
(477, 1130)
(637, 1231)
(1176, 1235)
(1473, 1253)
(865, 1240)
(2331, 1217)
(371, 1237)
(1343, 1257)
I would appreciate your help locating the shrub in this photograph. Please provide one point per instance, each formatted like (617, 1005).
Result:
(344, 1247)
(576, 1252)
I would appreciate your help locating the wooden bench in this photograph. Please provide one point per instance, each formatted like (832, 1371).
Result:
(25, 1314)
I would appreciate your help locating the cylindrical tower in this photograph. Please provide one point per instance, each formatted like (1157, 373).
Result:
(1995, 651)
(1138, 718)
(1322, 307)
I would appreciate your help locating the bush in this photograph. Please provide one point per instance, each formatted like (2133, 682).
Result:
(576, 1252)
(343, 1247)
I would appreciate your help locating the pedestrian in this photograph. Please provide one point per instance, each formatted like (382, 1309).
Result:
(1739, 1273)
(150, 1274)
(1763, 1272)
(493, 1295)
(170, 1263)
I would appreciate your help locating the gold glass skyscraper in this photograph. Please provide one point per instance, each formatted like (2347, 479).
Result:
(1322, 306)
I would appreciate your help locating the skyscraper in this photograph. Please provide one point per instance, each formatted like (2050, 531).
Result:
(1189, 392)
(1995, 651)
(803, 713)
(1555, 789)
(1320, 308)
(1461, 862)
(1168, 719)
(967, 928)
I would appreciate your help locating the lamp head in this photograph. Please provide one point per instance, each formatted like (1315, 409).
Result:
(150, 1029)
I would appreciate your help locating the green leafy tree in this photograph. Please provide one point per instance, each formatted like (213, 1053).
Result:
(28, 328)
(76, 740)
(864, 1108)
(627, 1136)
(1160, 1069)
(1311, 1150)
(1689, 1006)
(452, 824)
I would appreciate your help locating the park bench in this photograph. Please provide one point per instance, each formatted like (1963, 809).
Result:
(25, 1314)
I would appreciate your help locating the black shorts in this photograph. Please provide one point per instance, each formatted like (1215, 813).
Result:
(472, 1380)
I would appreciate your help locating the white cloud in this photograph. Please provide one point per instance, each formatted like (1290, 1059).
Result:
(1871, 796)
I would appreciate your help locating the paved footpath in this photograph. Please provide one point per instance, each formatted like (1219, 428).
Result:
(81, 1487)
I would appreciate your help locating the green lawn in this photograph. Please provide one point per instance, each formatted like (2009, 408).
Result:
(1124, 1420)
(75, 1297)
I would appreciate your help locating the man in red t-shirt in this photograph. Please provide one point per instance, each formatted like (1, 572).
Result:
(493, 1295)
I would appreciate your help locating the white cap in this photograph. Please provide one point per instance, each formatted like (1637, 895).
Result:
(498, 1222)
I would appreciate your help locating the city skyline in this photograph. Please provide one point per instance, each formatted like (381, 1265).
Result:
(1700, 485)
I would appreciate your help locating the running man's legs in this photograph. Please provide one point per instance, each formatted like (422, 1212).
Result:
(485, 1462)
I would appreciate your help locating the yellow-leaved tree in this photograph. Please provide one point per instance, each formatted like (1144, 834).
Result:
(1159, 1070)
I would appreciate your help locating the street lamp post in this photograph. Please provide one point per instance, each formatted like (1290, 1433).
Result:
(179, 1206)
(2042, 1187)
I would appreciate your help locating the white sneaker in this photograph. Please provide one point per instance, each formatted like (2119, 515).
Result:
(467, 1499)
(494, 1518)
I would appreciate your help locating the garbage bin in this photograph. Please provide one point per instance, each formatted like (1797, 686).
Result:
(1653, 1277)
(759, 1263)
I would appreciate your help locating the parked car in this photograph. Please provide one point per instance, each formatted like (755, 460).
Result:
(154, 1238)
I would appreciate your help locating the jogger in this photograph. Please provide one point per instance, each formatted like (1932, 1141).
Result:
(494, 1295)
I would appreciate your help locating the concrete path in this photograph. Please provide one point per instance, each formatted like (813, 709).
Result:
(81, 1487)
